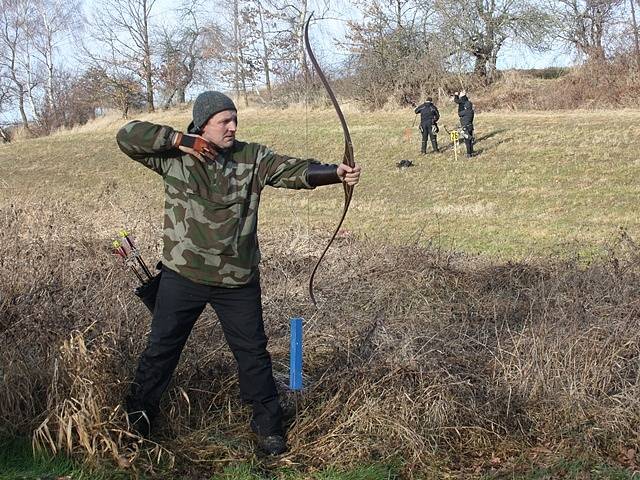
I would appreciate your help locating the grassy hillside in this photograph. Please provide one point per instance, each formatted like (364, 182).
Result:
(423, 360)
(543, 182)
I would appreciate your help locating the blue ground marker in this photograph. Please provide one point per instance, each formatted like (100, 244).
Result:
(295, 354)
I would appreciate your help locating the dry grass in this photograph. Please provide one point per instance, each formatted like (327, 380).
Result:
(614, 84)
(449, 361)
(444, 360)
(544, 181)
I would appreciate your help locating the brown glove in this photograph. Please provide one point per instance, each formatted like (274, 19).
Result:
(195, 145)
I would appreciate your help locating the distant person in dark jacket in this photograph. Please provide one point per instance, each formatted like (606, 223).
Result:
(465, 112)
(429, 116)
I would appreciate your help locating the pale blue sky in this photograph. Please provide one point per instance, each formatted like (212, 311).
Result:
(327, 31)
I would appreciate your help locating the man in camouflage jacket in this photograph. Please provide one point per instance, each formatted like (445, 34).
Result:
(212, 186)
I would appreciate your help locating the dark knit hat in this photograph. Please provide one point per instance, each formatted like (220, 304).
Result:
(207, 104)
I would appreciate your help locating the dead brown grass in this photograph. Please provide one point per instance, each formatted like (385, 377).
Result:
(613, 84)
(444, 360)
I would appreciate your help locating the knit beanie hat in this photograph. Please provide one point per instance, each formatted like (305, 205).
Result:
(207, 104)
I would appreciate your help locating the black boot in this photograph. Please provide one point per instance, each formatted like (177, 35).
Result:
(140, 423)
(272, 444)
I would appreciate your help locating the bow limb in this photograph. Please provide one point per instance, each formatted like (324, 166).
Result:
(347, 158)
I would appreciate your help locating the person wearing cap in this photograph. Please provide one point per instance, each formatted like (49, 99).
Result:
(212, 184)
(429, 116)
(466, 114)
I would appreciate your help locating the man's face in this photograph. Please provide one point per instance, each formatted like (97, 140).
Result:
(221, 128)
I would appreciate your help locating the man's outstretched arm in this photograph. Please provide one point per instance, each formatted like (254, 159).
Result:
(282, 171)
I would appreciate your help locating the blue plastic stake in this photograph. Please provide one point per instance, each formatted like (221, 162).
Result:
(295, 354)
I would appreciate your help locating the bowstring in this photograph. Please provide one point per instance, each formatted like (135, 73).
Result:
(306, 150)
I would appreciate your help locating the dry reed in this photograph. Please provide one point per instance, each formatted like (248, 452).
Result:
(443, 360)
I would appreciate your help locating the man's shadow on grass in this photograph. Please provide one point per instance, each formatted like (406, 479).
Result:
(492, 134)
(482, 138)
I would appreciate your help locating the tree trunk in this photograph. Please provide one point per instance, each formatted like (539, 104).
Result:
(596, 53)
(240, 77)
(180, 94)
(148, 70)
(169, 99)
(236, 40)
(265, 53)
(23, 113)
(480, 67)
(48, 56)
(19, 90)
(302, 53)
(492, 68)
(243, 80)
(636, 40)
(29, 92)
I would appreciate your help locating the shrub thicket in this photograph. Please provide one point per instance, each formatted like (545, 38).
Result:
(613, 84)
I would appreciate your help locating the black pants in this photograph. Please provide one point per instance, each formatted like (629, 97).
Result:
(468, 138)
(427, 133)
(179, 304)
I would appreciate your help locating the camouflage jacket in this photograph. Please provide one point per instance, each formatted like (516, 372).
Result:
(211, 209)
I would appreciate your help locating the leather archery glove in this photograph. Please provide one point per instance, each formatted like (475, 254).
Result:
(194, 145)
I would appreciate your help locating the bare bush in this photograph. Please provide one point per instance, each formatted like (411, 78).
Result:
(607, 84)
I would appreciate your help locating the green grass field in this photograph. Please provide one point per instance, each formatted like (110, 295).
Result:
(542, 183)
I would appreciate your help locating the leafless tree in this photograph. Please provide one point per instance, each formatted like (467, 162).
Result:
(395, 51)
(4, 91)
(585, 24)
(53, 22)
(480, 28)
(186, 50)
(31, 32)
(112, 88)
(76, 98)
(265, 45)
(15, 52)
(290, 58)
(239, 77)
(254, 46)
(636, 34)
(4, 100)
(264, 48)
(246, 48)
(122, 31)
(272, 44)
